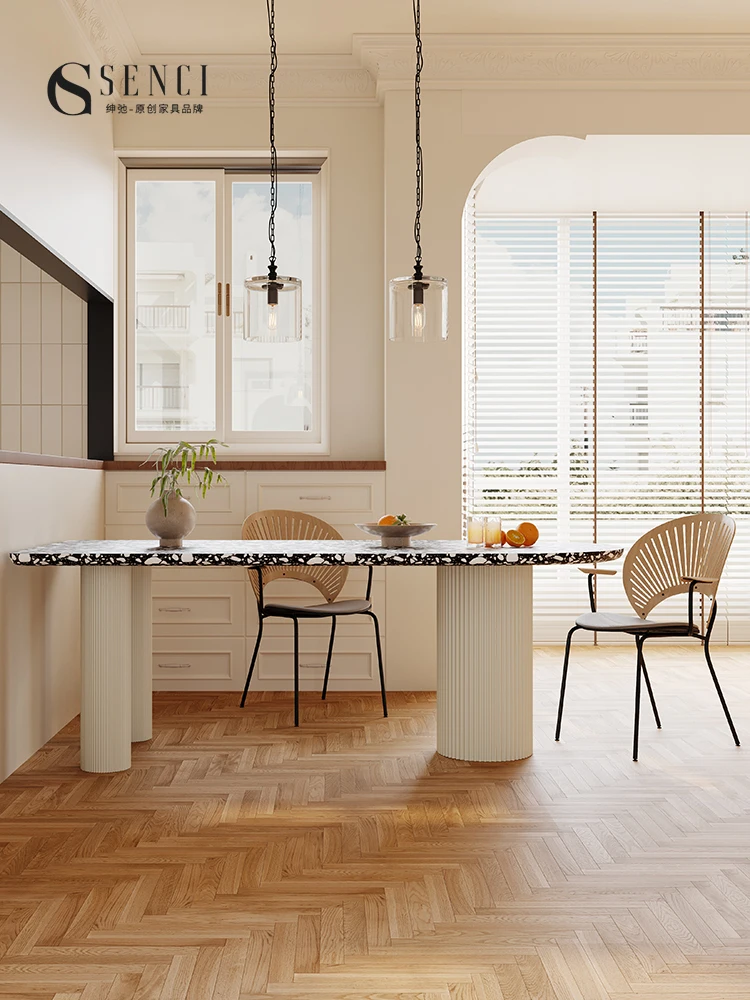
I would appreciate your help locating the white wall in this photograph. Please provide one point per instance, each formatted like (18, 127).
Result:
(56, 171)
(462, 133)
(619, 173)
(353, 138)
(39, 608)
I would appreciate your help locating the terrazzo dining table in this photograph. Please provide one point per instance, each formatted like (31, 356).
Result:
(484, 622)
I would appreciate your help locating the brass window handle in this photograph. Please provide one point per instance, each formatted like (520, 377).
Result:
(228, 310)
(218, 299)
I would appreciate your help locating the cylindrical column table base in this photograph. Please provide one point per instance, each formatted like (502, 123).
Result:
(106, 653)
(484, 662)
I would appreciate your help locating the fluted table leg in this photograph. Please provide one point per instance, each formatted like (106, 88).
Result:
(485, 680)
(142, 665)
(106, 658)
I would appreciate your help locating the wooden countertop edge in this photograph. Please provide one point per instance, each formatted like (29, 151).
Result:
(51, 461)
(260, 465)
(241, 465)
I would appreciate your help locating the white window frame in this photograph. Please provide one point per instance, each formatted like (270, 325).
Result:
(244, 443)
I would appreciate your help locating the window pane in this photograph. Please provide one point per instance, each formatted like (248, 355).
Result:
(272, 384)
(175, 289)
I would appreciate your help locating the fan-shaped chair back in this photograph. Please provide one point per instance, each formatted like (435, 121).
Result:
(277, 525)
(693, 546)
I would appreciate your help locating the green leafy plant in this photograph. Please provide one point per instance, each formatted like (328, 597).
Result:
(177, 465)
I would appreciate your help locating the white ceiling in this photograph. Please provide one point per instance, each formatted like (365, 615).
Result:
(236, 27)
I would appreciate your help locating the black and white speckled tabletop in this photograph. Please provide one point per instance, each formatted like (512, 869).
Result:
(301, 553)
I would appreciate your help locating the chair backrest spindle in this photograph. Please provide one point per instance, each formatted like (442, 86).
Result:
(692, 546)
(278, 525)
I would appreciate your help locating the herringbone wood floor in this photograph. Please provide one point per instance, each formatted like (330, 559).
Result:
(346, 860)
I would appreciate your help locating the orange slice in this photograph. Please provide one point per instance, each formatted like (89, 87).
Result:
(530, 532)
(515, 538)
(387, 519)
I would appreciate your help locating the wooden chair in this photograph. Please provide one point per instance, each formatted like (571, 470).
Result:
(679, 557)
(268, 525)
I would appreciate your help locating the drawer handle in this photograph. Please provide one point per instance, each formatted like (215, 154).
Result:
(174, 611)
(315, 498)
(174, 666)
(311, 666)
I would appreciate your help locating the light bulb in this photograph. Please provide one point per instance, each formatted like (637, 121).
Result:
(273, 316)
(418, 320)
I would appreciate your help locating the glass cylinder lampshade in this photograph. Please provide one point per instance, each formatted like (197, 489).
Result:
(273, 309)
(418, 309)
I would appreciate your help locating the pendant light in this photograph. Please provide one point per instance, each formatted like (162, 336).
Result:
(418, 304)
(273, 304)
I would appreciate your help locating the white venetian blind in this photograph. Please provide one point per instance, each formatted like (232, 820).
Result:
(727, 403)
(606, 360)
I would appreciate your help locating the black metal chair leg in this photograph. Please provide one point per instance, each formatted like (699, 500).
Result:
(380, 663)
(564, 679)
(252, 662)
(637, 718)
(296, 671)
(720, 693)
(328, 661)
(648, 688)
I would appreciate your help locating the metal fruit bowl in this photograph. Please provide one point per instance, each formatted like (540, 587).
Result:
(396, 536)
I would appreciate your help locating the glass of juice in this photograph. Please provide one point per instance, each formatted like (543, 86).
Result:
(475, 530)
(493, 528)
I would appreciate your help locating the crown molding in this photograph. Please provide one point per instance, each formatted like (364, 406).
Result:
(102, 29)
(476, 61)
(380, 63)
(299, 79)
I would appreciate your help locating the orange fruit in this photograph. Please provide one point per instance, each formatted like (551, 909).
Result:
(503, 538)
(387, 519)
(515, 538)
(530, 532)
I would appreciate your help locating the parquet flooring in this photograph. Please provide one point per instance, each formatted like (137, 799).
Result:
(241, 859)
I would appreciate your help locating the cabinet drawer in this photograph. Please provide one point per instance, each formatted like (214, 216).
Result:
(351, 498)
(127, 498)
(170, 575)
(203, 659)
(199, 608)
(354, 665)
(202, 530)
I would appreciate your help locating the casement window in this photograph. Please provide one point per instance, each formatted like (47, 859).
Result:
(607, 372)
(193, 237)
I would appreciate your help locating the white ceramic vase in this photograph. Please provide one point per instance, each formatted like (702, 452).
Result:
(176, 524)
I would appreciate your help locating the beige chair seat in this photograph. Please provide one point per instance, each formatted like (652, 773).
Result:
(317, 610)
(604, 621)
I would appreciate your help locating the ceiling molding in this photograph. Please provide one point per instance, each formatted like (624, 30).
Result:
(99, 24)
(298, 79)
(471, 61)
(380, 63)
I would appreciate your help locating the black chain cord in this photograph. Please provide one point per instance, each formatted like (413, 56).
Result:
(418, 136)
(272, 135)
